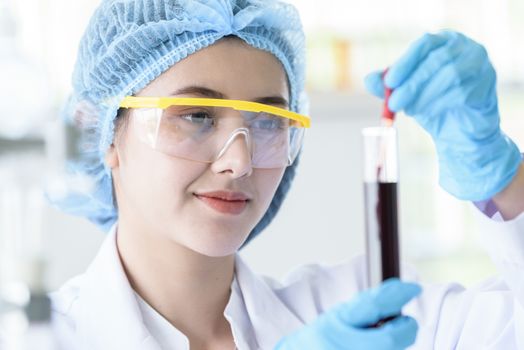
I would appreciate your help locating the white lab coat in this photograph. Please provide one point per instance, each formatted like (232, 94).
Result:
(99, 309)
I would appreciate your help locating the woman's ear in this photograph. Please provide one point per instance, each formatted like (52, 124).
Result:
(112, 157)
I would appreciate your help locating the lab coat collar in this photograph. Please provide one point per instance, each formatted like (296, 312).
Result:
(108, 313)
(257, 316)
(258, 306)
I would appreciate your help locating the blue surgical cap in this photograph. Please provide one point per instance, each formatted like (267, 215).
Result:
(128, 43)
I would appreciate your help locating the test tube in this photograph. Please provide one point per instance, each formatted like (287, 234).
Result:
(381, 203)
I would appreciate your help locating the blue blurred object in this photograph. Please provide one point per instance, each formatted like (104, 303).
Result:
(128, 43)
(447, 83)
(346, 326)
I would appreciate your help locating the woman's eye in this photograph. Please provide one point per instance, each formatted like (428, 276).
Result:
(269, 123)
(200, 119)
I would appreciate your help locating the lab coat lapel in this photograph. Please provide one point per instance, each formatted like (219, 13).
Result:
(108, 312)
(270, 317)
(108, 315)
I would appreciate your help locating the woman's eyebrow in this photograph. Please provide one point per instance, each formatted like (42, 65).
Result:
(210, 93)
(273, 100)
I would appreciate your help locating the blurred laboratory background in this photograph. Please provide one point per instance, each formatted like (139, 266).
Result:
(322, 220)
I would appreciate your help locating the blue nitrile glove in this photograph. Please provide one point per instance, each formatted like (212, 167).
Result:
(345, 325)
(447, 83)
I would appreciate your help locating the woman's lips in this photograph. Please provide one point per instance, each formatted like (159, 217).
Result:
(234, 207)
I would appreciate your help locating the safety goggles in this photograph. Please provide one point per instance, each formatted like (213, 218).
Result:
(201, 129)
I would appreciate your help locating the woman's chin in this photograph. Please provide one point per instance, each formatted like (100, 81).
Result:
(216, 245)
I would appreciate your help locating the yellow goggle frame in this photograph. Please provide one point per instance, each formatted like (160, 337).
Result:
(239, 105)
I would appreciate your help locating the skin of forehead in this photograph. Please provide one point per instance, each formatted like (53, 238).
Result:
(261, 74)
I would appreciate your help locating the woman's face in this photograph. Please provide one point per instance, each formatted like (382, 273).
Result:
(156, 192)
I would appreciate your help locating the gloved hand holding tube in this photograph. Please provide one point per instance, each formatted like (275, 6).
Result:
(346, 326)
(447, 83)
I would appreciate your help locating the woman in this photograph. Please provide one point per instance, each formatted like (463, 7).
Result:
(192, 113)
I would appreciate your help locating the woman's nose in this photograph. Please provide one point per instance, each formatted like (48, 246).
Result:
(235, 156)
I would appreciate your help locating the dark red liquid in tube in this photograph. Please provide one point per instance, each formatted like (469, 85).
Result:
(381, 206)
(382, 219)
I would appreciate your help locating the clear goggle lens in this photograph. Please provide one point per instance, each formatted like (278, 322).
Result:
(202, 133)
